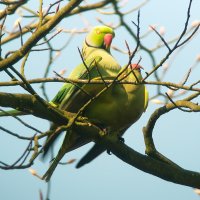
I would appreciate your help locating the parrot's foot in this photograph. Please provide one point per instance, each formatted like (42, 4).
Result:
(103, 132)
(81, 118)
(121, 139)
(107, 130)
(102, 129)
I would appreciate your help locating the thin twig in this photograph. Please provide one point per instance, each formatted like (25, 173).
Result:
(21, 121)
(187, 76)
(15, 134)
(21, 35)
(85, 65)
(185, 27)
(192, 85)
(54, 35)
(23, 154)
(98, 70)
(50, 6)
(162, 38)
(1, 32)
(189, 37)
(76, 85)
(175, 46)
(178, 107)
(127, 46)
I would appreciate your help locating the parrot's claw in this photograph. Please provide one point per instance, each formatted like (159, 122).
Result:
(83, 118)
(104, 131)
(107, 130)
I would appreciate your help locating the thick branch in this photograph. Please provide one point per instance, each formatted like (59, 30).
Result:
(77, 10)
(168, 107)
(154, 167)
(69, 80)
(148, 130)
(28, 104)
(11, 8)
(36, 36)
(145, 163)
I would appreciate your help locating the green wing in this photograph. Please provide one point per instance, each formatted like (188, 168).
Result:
(69, 90)
(80, 72)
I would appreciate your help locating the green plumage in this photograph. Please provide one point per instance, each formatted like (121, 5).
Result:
(115, 110)
(125, 105)
(99, 61)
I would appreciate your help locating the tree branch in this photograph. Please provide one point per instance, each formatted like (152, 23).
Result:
(38, 34)
(148, 129)
(11, 8)
(145, 163)
(29, 104)
(32, 26)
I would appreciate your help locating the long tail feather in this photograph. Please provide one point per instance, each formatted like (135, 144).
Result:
(53, 165)
(95, 151)
(71, 141)
(49, 143)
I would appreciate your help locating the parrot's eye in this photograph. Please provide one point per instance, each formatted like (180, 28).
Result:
(98, 31)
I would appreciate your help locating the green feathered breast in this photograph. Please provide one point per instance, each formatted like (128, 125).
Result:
(117, 109)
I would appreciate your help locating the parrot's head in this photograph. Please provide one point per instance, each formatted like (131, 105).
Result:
(133, 72)
(136, 67)
(100, 37)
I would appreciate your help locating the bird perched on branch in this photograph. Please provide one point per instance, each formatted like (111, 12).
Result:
(124, 104)
(97, 62)
(116, 109)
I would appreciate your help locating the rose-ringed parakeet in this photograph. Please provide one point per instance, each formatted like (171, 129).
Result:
(98, 62)
(130, 101)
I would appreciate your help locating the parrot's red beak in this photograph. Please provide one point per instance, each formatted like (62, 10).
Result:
(108, 40)
(136, 66)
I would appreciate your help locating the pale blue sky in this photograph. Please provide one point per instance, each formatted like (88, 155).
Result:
(176, 134)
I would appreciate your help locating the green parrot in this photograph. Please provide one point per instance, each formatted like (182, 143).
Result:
(115, 110)
(98, 62)
(124, 106)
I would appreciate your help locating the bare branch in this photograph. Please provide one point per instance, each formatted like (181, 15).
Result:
(43, 30)
(21, 37)
(15, 134)
(185, 27)
(21, 121)
(29, 104)
(54, 35)
(162, 38)
(76, 85)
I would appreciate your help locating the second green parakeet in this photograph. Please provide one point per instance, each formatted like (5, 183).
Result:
(126, 105)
